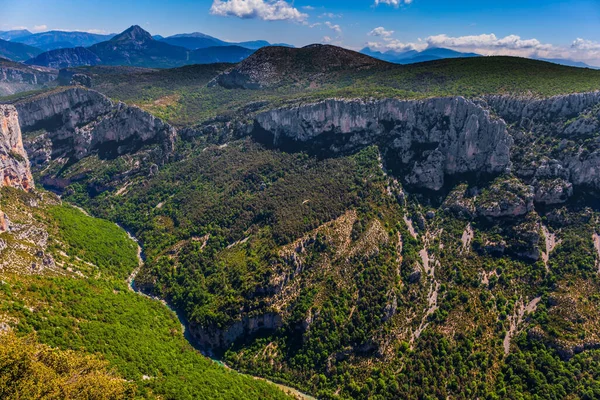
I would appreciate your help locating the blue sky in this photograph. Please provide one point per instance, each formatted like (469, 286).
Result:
(550, 28)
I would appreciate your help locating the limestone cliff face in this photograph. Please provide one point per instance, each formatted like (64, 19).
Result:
(78, 121)
(526, 111)
(14, 165)
(572, 124)
(15, 77)
(430, 139)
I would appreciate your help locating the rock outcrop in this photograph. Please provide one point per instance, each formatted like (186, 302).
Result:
(14, 165)
(76, 122)
(428, 139)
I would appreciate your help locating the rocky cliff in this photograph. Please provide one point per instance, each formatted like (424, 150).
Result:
(556, 142)
(14, 165)
(76, 122)
(428, 140)
(15, 77)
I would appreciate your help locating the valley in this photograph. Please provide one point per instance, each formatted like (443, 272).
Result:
(312, 217)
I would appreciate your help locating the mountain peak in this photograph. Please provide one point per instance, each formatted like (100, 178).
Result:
(133, 34)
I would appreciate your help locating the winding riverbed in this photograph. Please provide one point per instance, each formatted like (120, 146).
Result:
(184, 326)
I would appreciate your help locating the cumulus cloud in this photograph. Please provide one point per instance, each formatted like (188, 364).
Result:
(487, 42)
(268, 10)
(395, 3)
(380, 31)
(396, 45)
(326, 39)
(334, 27)
(586, 45)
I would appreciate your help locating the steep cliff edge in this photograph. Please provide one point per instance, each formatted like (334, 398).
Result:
(15, 77)
(556, 142)
(428, 140)
(76, 122)
(14, 165)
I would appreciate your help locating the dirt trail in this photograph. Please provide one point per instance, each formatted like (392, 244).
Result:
(596, 239)
(467, 237)
(429, 264)
(410, 226)
(517, 318)
(551, 243)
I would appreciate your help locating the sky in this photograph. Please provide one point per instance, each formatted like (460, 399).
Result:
(529, 28)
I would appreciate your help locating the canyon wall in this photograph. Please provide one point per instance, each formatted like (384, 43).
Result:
(14, 165)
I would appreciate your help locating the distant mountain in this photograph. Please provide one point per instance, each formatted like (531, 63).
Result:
(390, 56)
(220, 54)
(136, 47)
(13, 34)
(314, 64)
(59, 40)
(568, 63)
(64, 58)
(157, 37)
(17, 51)
(441, 52)
(193, 43)
(198, 40)
(413, 56)
(192, 35)
(254, 44)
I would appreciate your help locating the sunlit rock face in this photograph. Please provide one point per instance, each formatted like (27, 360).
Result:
(429, 139)
(14, 165)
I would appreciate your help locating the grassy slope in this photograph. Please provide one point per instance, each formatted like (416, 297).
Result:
(98, 314)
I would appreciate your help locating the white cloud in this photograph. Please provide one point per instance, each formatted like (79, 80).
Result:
(330, 15)
(326, 39)
(39, 28)
(334, 27)
(587, 45)
(268, 10)
(97, 31)
(395, 3)
(308, 8)
(488, 42)
(396, 45)
(380, 31)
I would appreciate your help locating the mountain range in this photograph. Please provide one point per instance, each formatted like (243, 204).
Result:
(136, 47)
(414, 56)
(438, 53)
